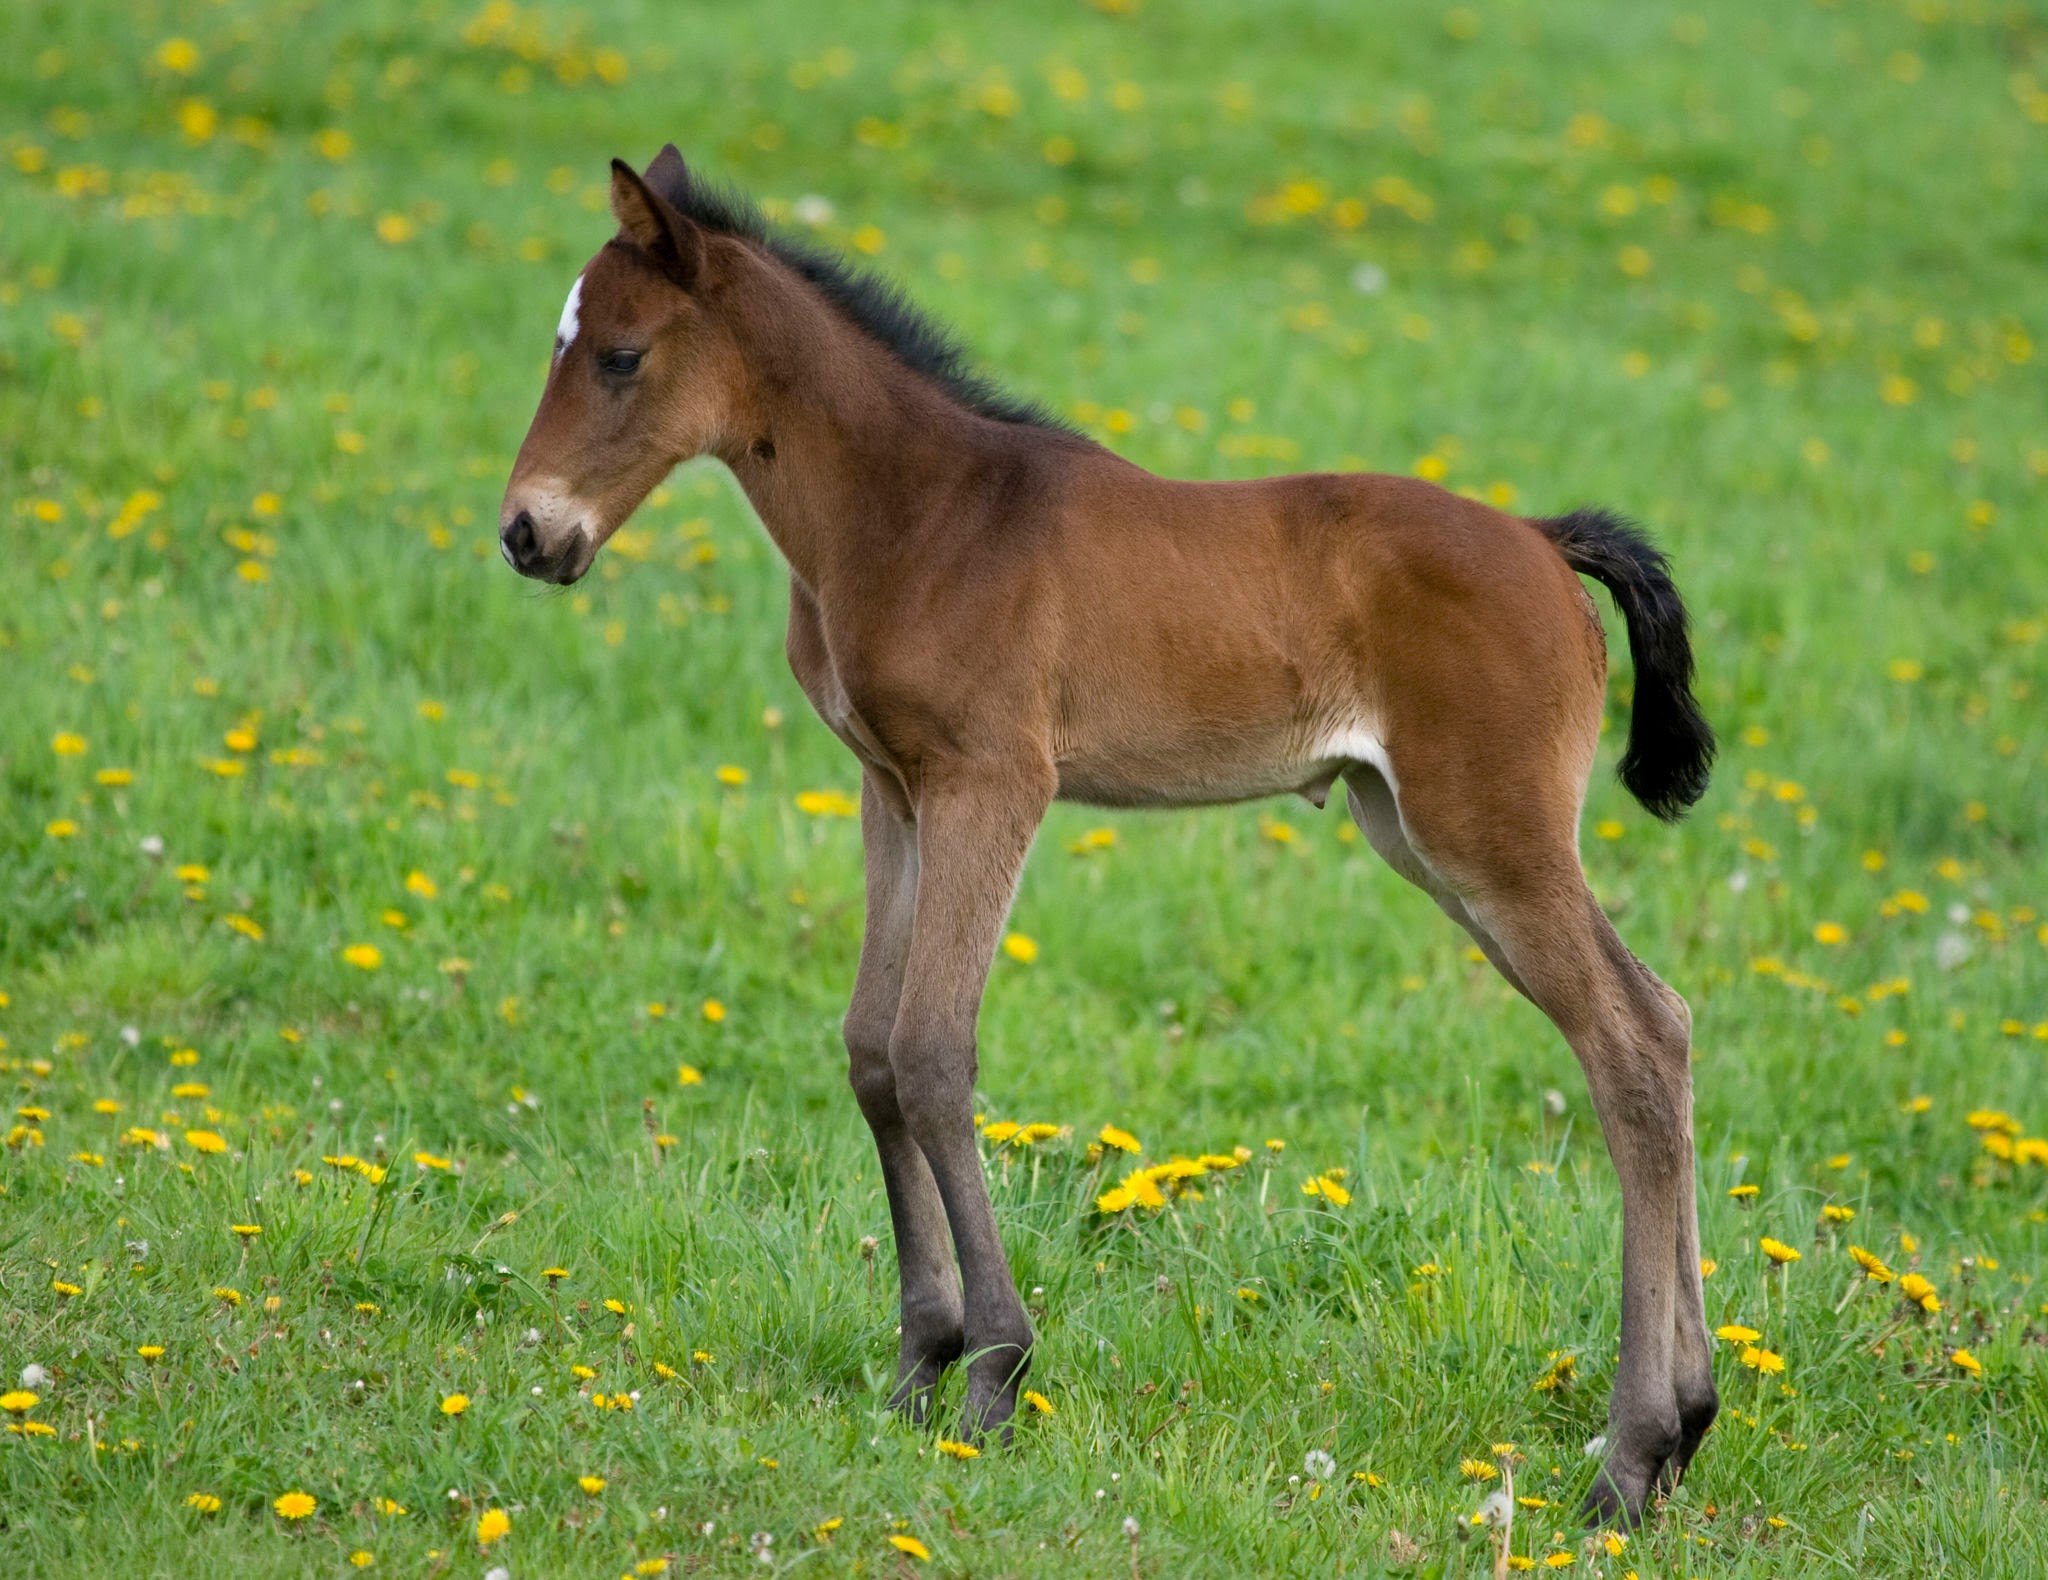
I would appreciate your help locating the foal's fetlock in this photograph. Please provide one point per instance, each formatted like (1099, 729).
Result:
(917, 1386)
(1695, 1419)
(932, 1341)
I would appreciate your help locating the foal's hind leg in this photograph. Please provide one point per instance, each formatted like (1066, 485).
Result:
(1512, 878)
(933, 1333)
(1633, 1038)
(1374, 809)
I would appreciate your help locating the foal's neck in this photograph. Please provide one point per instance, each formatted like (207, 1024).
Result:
(848, 456)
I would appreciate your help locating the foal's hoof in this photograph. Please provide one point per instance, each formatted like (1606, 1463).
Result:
(1621, 1493)
(918, 1370)
(1610, 1504)
(994, 1380)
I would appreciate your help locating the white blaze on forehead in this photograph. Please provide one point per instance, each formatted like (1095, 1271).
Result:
(565, 331)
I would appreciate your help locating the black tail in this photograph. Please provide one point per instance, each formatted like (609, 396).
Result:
(1670, 745)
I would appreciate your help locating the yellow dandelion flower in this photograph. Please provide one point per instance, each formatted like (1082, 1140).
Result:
(591, 1484)
(491, 1525)
(204, 1502)
(1743, 1193)
(18, 1401)
(205, 1141)
(911, 1545)
(1478, 1470)
(1322, 1185)
(455, 1404)
(1736, 1333)
(1965, 1361)
(1777, 1250)
(826, 803)
(295, 1505)
(1920, 1291)
(1038, 1401)
(1021, 948)
(1121, 1140)
(1762, 1360)
(1873, 1266)
(958, 1450)
(364, 957)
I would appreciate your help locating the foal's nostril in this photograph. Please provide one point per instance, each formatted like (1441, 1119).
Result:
(520, 542)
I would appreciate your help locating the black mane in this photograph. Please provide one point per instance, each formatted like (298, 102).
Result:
(874, 306)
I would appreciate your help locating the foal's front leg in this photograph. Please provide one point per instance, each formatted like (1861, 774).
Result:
(930, 1286)
(973, 832)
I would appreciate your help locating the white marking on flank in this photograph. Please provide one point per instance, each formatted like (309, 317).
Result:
(565, 331)
(1355, 744)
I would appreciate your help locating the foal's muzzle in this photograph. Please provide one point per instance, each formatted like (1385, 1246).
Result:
(521, 546)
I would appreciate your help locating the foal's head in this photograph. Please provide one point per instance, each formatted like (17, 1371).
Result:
(640, 380)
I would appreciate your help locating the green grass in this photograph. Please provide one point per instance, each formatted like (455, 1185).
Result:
(1819, 379)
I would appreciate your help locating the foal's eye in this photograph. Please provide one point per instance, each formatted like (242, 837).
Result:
(620, 362)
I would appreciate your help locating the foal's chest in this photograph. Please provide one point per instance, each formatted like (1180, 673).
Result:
(810, 660)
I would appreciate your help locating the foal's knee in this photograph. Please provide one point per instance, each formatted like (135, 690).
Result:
(1677, 1015)
(869, 1074)
(934, 1086)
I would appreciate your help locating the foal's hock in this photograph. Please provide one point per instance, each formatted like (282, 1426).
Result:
(994, 612)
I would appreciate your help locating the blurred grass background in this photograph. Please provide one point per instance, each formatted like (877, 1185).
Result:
(276, 288)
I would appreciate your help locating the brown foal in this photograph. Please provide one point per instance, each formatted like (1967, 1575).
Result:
(994, 612)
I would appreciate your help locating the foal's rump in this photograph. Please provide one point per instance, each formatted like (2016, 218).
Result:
(1493, 652)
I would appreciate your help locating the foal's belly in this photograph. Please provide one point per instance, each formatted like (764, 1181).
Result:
(1212, 768)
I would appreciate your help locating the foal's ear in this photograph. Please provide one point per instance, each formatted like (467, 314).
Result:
(667, 173)
(651, 222)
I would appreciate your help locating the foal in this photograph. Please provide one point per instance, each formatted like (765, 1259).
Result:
(994, 612)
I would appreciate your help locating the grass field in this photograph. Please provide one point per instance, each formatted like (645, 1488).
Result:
(447, 932)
